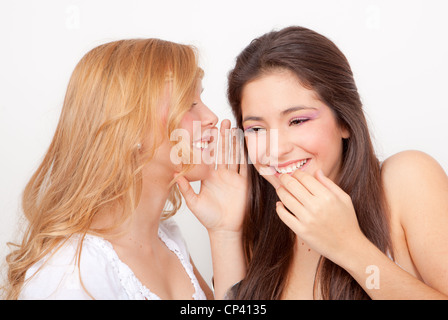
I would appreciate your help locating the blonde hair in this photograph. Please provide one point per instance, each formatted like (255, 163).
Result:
(112, 103)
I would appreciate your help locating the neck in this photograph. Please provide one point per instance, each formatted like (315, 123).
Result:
(144, 223)
(141, 227)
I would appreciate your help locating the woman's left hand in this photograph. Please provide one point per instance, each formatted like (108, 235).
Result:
(322, 214)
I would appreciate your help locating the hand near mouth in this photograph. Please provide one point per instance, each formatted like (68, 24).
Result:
(220, 207)
(220, 204)
(320, 213)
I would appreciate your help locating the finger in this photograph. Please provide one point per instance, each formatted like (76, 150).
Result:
(242, 168)
(187, 192)
(297, 189)
(309, 182)
(290, 202)
(213, 144)
(330, 185)
(235, 150)
(243, 163)
(290, 220)
(223, 151)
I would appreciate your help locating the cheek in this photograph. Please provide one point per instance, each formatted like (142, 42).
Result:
(256, 149)
(320, 138)
(307, 142)
(258, 157)
(326, 147)
(251, 150)
(187, 123)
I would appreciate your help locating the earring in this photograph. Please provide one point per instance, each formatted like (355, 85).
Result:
(139, 146)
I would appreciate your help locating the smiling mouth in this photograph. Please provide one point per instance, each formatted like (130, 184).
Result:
(203, 143)
(291, 167)
(200, 145)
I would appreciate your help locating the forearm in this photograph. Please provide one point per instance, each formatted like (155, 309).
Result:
(383, 279)
(229, 265)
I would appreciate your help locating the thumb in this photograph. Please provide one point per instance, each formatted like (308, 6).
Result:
(187, 191)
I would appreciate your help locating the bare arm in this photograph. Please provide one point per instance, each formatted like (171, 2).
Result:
(229, 265)
(417, 192)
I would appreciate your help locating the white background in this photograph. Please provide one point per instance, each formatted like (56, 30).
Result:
(398, 51)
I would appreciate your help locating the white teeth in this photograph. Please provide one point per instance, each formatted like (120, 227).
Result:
(201, 144)
(293, 167)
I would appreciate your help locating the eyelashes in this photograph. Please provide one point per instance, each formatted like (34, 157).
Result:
(293, 122)
(298, 121)
(254, 129)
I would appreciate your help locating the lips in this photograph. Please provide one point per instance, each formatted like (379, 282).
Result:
(202, 143)
(291, 166)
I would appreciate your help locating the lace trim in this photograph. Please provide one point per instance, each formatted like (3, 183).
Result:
(131, 284)
(172, 245)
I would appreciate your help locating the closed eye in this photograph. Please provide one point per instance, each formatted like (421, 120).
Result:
(298, 121)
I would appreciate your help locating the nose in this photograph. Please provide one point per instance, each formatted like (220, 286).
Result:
(208, 118)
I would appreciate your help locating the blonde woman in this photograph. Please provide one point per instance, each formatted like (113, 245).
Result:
(99, 224)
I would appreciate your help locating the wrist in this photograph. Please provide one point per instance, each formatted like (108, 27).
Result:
(225, 235)
(357, 255)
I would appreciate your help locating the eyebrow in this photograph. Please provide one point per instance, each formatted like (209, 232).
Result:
(283, 113)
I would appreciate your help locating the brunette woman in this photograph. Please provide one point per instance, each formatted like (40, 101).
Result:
(324, 218)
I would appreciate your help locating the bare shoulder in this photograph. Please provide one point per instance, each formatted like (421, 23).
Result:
(416, 190)
(412, 176)
(409, 157)
(406, 166)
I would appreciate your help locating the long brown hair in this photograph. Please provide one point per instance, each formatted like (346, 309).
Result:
(95, 159)
(268, 242)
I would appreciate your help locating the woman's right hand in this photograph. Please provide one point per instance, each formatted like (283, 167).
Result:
(220, 204)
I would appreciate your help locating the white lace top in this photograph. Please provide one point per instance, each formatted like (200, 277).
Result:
(103, 274)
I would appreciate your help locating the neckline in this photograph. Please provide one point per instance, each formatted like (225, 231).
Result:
(127, 277)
